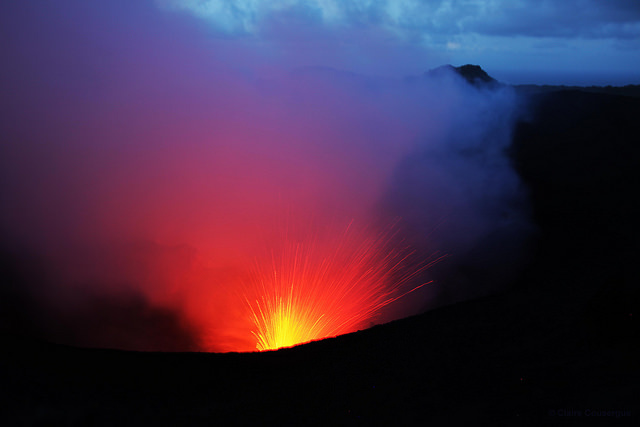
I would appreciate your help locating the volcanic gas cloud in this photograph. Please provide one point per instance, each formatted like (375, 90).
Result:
(165, 188)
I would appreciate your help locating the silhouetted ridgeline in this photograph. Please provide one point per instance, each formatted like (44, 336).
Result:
(474, 74)
(627, 90)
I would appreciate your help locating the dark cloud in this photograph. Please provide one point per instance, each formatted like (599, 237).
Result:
(553, 19)
(546, 18)
(35, 300)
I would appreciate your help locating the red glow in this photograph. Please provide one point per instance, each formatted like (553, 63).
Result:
(323, 287)
(146, 162)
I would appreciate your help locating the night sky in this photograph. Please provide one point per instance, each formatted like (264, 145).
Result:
(153, 151)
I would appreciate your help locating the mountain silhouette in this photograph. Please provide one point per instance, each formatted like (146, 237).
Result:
(473, 74)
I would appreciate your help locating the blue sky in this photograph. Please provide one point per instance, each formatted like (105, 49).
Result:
(585, 41)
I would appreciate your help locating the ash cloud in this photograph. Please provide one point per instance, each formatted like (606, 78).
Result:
(145, 163)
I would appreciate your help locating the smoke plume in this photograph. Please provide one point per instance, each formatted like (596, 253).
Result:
(147, 159)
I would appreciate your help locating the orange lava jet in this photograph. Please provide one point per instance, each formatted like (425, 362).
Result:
(316, 289)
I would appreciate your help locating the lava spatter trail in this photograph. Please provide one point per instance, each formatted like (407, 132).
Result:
(322, 287)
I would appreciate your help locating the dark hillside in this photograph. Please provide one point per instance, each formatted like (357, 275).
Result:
(578, 153)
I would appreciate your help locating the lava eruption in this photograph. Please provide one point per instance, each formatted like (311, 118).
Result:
(322, 287)
(144, 158)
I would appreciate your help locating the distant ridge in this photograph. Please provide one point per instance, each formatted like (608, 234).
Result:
(474, 74)
(628, 90)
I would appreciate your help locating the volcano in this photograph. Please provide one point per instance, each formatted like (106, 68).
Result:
(555, 345)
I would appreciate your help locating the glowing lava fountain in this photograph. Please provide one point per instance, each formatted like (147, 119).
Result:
(314, 289)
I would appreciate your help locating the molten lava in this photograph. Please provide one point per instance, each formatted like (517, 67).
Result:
(313, 289)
